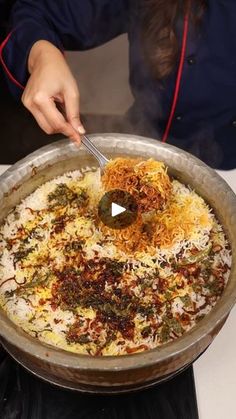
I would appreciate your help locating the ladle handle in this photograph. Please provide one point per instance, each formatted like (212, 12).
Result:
(94, 151)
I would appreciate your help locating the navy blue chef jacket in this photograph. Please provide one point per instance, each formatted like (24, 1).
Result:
(205, 118)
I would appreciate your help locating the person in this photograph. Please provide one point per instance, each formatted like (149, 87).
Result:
(182, 67)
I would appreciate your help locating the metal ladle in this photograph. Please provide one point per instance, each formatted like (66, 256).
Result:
(102, 160)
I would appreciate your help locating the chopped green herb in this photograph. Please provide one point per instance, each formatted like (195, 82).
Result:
(186, 300)
(37, 281)
(63, 196)
(165, 333)
(22, 254)
(146, 331)
(74, 246)
(168, 295)
(215, 287)
(198, 257)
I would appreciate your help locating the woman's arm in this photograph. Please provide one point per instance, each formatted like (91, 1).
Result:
(67, 24)
(31, 55)
(51, 82)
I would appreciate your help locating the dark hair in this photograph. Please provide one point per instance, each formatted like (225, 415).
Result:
(159, 18)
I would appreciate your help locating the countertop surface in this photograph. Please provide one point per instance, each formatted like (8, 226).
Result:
(215, 370)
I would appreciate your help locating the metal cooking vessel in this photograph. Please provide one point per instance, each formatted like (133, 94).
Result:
(125, 373)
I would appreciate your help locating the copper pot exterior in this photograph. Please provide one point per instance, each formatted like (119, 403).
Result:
(125, 373)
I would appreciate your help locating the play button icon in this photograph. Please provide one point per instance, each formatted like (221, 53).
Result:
(117, 209)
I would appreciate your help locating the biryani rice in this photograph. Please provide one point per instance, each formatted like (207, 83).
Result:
(77, 285)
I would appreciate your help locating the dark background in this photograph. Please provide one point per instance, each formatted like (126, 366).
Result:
(19, 133)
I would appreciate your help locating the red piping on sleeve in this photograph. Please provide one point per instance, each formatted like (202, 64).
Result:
(179, 75)
(11, 77)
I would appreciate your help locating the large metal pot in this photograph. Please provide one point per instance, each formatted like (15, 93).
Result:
(117, 374)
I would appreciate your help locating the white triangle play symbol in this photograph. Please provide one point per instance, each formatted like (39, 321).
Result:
(116, 209)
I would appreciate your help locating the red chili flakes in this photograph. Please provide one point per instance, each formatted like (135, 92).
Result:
(42, 301)
(136, 349)
(185, 319)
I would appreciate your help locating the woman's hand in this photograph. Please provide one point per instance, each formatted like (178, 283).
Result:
(51, 81)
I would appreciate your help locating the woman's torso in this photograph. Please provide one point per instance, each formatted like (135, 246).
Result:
(205, 117)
